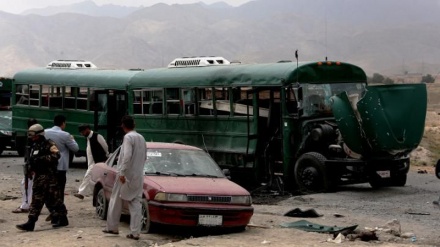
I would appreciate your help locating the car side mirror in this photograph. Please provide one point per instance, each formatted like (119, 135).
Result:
(227, 173)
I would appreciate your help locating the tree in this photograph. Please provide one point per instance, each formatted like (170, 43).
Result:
(377, 78)
(428, 79)
(388, 81)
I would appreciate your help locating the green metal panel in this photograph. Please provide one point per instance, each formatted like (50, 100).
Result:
(95, 78)
(389, 118)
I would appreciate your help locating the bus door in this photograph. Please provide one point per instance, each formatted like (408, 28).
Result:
(111, 106)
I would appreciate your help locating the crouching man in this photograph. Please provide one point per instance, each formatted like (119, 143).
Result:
(43, 160)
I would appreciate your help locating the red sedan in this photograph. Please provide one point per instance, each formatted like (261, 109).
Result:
(182, 186)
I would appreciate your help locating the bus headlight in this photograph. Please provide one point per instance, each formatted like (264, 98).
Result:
(170, 197)
(245, 200)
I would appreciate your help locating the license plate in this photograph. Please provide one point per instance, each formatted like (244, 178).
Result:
(210, 220)
(384, 174)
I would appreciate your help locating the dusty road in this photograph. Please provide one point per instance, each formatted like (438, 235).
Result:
(358, 205)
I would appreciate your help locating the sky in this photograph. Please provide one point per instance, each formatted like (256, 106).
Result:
(18, 6)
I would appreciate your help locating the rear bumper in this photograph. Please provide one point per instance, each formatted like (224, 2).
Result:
(187, 214)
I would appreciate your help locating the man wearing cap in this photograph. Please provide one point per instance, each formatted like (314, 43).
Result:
(97, 151)
(43, 160)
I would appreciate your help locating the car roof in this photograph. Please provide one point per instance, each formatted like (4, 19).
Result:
(170, 146)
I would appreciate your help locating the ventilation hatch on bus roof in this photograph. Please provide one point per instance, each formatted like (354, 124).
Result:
(197, 62)
(71, 64)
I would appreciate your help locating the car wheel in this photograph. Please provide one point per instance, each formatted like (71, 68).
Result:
(437, 169)
(399, 180)
(101, 205)
(310, 174)
(21, 152)
(146, 224)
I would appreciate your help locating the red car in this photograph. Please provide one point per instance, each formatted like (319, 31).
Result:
(182, 186)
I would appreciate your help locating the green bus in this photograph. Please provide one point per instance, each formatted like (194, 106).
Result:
(309, 126)
(5, 115)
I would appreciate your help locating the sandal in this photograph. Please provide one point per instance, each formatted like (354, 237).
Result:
(20, 210)
(110, 232)
(131, 236)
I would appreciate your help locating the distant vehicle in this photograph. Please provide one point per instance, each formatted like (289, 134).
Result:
(307, 126)
(6, 133)
(183, 186)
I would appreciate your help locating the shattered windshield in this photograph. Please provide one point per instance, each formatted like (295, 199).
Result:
(175, 162)
(316, 97)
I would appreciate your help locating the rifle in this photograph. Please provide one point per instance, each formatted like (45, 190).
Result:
(26, 168)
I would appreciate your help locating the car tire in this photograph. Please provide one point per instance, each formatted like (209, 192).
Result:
(310, 173)
(101, 207)
(399, 180)
(146, 225)
(437, 169)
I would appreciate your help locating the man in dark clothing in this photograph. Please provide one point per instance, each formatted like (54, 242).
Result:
(97, 151)
(43, 159)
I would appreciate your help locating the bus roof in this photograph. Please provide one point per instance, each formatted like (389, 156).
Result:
(271, 74)
(110, 79)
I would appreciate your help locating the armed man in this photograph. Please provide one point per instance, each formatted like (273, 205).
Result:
(43, 161)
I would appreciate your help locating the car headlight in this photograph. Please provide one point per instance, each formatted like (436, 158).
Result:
(6, 133)
(170, 197)
(246, 200)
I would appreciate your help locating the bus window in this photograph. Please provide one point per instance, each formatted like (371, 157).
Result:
(189, 101)
(22, 95)
(222, 103)
(205, 101)
(69, 97)
(154, 98)
(138, 101)
(81, 98)
(173, 101)
(34, 95)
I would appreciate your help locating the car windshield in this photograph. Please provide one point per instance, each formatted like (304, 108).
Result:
(178, 162)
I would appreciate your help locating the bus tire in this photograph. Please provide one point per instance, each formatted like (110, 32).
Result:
(310, 173)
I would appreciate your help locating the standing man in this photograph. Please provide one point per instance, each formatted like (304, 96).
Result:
(97, 151)
(26, 182)
(129, 181)
(43, 160)
(65, 143)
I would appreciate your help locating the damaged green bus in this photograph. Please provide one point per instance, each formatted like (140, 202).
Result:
(309, 126)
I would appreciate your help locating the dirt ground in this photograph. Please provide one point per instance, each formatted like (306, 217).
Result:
(355, 205)
(358, 205)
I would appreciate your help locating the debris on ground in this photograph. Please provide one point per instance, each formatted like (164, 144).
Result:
(313, 227)
(297, 212)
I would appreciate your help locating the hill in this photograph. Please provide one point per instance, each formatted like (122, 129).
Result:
(387, 37)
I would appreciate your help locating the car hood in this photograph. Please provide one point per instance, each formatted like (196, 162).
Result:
(195, 185)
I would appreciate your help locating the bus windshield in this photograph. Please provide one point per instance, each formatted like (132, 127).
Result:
(317, 96)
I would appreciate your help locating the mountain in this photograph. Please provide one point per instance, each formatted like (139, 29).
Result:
(383, 36)
(87, 7)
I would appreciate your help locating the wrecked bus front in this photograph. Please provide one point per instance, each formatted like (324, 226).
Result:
(387, 120)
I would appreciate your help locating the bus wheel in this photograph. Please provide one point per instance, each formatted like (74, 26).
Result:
(310, 174)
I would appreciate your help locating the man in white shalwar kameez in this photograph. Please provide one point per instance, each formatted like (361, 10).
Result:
(129, 181)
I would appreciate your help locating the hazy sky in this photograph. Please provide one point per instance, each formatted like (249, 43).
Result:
(18, 6)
